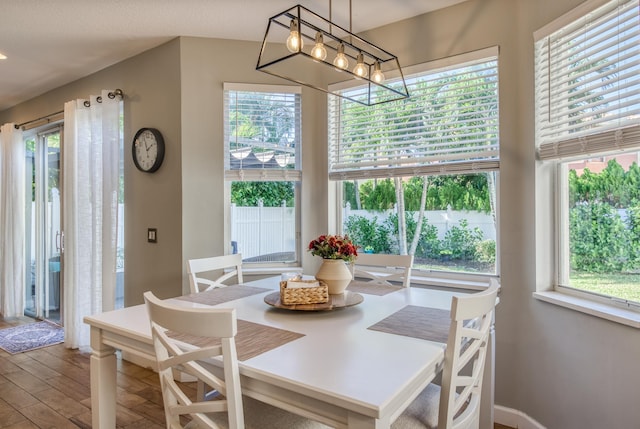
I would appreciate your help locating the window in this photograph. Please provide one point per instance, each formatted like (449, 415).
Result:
(588, 125)
(418, 176)
(262, 171)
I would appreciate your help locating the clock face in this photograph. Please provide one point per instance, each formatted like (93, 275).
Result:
(148, 149)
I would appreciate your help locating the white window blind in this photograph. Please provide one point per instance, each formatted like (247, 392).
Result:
(588, 82)
(449, 125)
(262, 132)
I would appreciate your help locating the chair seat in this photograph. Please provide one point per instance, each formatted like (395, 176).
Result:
(422, 412)
(258, 415)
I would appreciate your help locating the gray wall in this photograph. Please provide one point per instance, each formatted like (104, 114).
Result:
(563, 368)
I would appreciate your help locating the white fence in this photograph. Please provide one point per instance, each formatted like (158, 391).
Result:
(443, 220)
(264, 230)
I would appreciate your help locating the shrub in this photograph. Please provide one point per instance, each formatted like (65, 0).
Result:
(367, 233)
(462, 241)
(599, 239)
(486, 251)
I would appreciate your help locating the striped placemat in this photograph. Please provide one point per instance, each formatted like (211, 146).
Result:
(222, 294)
(426, 323)
(252, 339)
(371, 288)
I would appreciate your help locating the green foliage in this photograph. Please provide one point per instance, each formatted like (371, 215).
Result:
(460, 192)
(633, 225)
(598, 238)
(613, 186)
(429, 245)
(378, 194)
(461, 241)
(272, 194)
(349, 193)
(368, 234)
(486, 251)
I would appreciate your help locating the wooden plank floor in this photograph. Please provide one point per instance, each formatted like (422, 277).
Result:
(49, 388)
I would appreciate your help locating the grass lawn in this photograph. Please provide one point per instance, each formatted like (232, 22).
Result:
(625, 286)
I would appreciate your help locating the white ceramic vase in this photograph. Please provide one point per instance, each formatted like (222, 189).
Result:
(336, 274)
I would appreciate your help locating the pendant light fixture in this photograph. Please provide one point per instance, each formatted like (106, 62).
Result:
(294, 42)
(360, 69)
(322, 61)
(377, 76)
(341, 60)
(319, 52)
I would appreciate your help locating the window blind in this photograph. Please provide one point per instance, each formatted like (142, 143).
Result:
(449, 125)
(262, 132)
(588, 83)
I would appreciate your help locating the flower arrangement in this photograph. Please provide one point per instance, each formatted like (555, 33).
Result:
(334, 247)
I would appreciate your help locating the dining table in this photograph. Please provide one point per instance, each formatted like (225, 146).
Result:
(355, 362)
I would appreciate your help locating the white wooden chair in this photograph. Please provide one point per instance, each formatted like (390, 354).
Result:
(215, 323)
(231, 264)
(383, 269)
(456, 405)
(229, 410)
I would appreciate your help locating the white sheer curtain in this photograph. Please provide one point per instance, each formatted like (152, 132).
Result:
(90, 201)
(12, 212)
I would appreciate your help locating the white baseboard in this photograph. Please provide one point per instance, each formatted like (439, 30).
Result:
(514, 418)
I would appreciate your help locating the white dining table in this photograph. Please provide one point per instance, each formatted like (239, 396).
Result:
(337, 371)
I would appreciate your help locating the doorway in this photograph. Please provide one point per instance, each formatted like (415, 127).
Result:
(44, 244)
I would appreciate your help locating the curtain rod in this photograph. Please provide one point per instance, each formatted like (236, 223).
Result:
(116, 93)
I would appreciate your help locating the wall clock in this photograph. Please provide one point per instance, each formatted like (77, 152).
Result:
(148, 149)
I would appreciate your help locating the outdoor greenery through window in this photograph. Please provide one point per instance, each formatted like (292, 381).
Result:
(588, 124)
(262, 170)
(418, 176)
(604, 225)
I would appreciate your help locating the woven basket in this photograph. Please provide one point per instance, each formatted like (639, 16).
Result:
(304, 295)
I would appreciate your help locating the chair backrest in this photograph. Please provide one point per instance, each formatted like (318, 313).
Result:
(218, 327)
(231, 264)
(383, 269)
(471, 321)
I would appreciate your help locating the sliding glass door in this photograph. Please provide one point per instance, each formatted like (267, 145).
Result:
(44, 237)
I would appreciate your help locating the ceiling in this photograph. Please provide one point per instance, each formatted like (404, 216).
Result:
(51, 43)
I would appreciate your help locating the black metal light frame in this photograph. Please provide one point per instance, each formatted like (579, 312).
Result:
(276, 60)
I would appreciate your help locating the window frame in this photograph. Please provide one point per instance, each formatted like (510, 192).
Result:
(444, 278)
(264, 175)
(552, 173)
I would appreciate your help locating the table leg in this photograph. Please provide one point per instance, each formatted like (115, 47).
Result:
(103, 382)
(488, 384)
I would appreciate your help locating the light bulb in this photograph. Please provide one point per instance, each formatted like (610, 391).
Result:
(360, 69)
(319, 52)
(341, 60)
(294, 41)
(377, 76)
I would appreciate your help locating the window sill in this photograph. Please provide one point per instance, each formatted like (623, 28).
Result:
(583, 305)
(452, 280)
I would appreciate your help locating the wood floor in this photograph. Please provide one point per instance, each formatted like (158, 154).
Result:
(49, 388)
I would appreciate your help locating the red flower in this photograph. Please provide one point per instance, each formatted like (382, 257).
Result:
(333, 247)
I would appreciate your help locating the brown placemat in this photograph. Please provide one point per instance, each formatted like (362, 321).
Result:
(222, 294)
(426, 323)
(252, 339)
(371, 288)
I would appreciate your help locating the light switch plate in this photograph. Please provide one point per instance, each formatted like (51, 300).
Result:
(152, 235)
